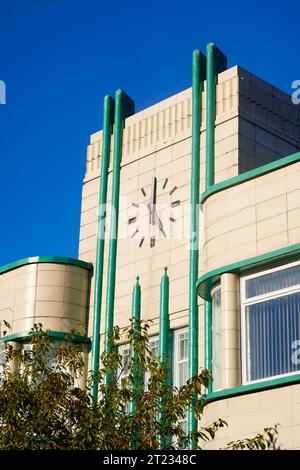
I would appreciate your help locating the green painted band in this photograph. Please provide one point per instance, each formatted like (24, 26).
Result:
(208, 280)
(55, 335)
(249, 175)
(252, 388)
(45, 259)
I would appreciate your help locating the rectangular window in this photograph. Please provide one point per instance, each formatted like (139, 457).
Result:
(123, 371)
(271, 323)
(153, 346)
(124, 351)
(181, 358)
(181, 363)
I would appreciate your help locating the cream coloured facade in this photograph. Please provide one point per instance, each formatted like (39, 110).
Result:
(249, 222)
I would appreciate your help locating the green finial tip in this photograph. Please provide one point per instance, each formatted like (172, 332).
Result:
(165, 269)
(137, 278)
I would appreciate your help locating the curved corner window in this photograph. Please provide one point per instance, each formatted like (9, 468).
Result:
(271, 323)
(216, 339)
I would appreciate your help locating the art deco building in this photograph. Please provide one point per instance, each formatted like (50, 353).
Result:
(232, 144)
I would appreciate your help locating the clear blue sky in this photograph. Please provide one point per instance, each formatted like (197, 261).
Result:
(60, 57)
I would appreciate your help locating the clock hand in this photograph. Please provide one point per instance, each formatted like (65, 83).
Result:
(156, 219)
(153, 200)
(160, 224)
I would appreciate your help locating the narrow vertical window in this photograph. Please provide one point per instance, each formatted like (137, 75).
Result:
(216, 339)
(181, 364)
(123, 371)
(153, 349)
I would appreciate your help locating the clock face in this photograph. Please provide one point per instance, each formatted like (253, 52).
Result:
(154, 225)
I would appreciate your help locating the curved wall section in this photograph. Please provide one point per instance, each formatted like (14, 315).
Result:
(252, 218)
(52, 293)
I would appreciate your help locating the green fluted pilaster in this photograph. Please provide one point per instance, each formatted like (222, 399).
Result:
(106, 137)
(216, 63)
(136, 317)
(164, 328)
(124, 107)
(164, 316)
(198, 76)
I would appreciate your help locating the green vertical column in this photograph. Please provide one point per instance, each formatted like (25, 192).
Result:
(124, 107)
(164, 328)
(208, 339)
(197, 87)
(164, 316)
(136, 317)
(216, 63)
(106, 137)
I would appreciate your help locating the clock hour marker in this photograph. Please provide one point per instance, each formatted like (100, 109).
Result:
(135, 205)
(173, 190)
(144, 192)
(175, 204)
(134, 233)
(142, 241)
(132, 220)
(152, 242)
(165, 183)
(172, 219)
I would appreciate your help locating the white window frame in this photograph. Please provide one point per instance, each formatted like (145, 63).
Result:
(176, 362)
(254, 300)
(152, 339)
(213, 291)
(124, 346)
(121, 348)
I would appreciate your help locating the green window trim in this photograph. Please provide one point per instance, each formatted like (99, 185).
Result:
(252, 388)
(45, 259)
(55, 335)
(272, 258)
(249, 175)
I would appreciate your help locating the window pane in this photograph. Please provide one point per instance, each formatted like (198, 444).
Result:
(181, 358)
(183, 350)
(183, 373)
(181, 364)
(273, 281)
(273, 329)
(2, 356)
(153, 346)
(125, 355)
(216, 340)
